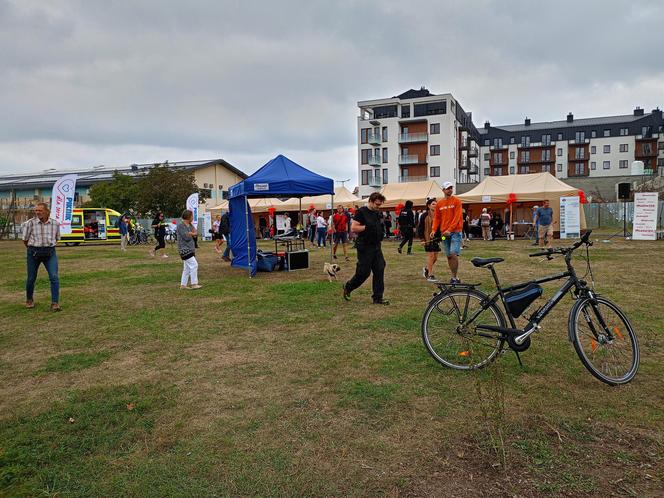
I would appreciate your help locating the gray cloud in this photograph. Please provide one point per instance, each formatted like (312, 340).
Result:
(100, 81)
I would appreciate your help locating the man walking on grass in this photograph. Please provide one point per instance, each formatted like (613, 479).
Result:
(406, 222)
(40, 235)
(544, 218)
(448, 220)
(368, 227)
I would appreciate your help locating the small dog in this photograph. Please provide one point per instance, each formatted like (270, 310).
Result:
(331, 270)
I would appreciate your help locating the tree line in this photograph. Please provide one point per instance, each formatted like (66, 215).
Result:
(159, 189)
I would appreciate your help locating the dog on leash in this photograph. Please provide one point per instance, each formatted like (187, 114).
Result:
(331, 270)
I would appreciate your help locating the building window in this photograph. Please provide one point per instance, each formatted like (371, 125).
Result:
(607, 133)
(366, 173)
(607, 149)
(624, 148)
(434, 150)
(384, 134)
(546, 139)
(525, 141)
(384, 154)
(497, 142)
(512, 140)
(647, 150)
(523, 170)
(645, 132)
(498, 171)
(511, 170)
(560, 136)
(559, 167)
(593, 134)
(486, 171)
(546, 168)
(486, 156)
(593, 165)
(384, 176)
(579, 170)
(579, 136)
(434, 128)
(660, 145)
(486, 142)
(559, 152)
(498, 157)
(593, 149)
(512, 155)
(606, 165)
(525, 156)
(365, 157)
(624, 132)
(405, 111)
(622, 164)
(364, 135)
(579, 153)
(434, 171)
(430, 108)
(546, 155)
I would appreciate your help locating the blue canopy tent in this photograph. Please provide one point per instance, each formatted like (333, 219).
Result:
(280, 177)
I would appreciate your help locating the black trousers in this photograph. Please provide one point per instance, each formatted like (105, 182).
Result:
(161, 244)
(369, 260)
(407, 234)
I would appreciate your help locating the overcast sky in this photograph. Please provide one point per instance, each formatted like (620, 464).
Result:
(118, 82)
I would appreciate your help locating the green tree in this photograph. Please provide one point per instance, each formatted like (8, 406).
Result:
(119, 194)
(166, 189)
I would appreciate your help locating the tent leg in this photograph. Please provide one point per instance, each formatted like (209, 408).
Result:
(332, 217)
(246, 220)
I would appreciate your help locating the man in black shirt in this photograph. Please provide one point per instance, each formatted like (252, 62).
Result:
(369, 229)
(406, 225)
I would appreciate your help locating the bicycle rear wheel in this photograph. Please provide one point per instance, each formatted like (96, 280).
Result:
(604, 340)
(450, 334)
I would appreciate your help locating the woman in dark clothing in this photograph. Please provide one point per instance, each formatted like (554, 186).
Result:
(159, 233)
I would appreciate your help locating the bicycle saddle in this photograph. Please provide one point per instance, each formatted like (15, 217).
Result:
(479, 262)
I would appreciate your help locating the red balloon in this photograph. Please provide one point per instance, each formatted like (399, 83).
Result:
(271, 210)
(511, 198)
(582, 197)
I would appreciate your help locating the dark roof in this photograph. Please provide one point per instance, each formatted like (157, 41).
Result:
(90, 176)
(415, 94)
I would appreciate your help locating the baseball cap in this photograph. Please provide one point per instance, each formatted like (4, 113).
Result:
(447, 185)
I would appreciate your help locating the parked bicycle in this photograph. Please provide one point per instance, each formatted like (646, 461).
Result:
(171, 234)
(140, 236)
(464, 328)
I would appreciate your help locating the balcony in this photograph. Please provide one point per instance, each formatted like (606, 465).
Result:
(375, 138)
(374, 160)
(408, 179)
(375, 182)
(580, 142)
(498, 147)
(411, 138)
(411, 159)
(473, 152)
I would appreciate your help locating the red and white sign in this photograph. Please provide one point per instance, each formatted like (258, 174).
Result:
(644, 225)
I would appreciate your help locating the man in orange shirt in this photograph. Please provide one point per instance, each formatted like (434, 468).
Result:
(448, 219)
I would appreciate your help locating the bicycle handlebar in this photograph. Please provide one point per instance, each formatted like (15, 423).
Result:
(564, 250)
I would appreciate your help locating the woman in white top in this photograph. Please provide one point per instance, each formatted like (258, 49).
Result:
(321, 229)
(287, 223)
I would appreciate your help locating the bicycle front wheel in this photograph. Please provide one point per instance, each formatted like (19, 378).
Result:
(450, 334)
(604, 340)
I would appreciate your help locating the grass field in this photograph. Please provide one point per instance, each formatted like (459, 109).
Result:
(275, 386)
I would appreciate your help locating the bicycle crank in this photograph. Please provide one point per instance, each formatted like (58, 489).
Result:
(519, 348)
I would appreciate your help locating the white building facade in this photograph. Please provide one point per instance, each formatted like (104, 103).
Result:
(415, 136)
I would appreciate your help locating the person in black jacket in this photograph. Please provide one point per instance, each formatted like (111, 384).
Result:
(369, 229)
(406, 222)
(225, 230)
(159, 226)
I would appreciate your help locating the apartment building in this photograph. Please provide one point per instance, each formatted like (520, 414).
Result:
(415, 136)
(575, 148)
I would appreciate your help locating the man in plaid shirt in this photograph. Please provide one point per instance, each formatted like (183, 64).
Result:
(40, 234)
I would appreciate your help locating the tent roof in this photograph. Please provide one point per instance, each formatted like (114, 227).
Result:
(531, 187)
(418, 192)
(258, 205)
(342, 196)
(282, 177)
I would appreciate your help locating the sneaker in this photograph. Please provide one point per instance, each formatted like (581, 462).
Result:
(455, 280)
(381, 301)
(164, 256)
(195, 286)
(55, 307)
(151, 253)
(346, 293)
(399, 250)
(432, 278)
(425, 272)
(347, 258)
(30, 304)
(183, 287)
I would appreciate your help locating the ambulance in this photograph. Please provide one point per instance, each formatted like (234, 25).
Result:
(92, 226)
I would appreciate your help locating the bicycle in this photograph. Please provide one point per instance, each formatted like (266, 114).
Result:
(464, 328)
(171, 235)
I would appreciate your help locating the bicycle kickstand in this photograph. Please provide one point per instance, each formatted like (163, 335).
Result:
(518, 357)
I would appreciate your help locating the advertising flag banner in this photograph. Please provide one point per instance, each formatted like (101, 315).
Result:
(570, 217)
(62, 202)
(644, 225)
(192, 205)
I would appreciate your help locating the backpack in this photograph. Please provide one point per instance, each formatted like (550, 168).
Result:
(420, 225)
